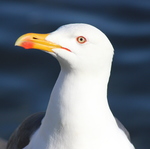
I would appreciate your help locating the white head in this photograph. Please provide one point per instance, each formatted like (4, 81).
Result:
(89, 47)
(76, 46)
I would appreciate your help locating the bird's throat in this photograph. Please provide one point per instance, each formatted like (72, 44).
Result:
(79, 107)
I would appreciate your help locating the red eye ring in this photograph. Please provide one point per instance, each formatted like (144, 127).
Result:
(81, 39)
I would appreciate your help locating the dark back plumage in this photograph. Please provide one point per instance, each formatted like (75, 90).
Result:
(21, 136)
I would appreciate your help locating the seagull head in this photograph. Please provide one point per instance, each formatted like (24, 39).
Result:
(76, 46)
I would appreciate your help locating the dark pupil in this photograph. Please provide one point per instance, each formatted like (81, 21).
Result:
(81, 39)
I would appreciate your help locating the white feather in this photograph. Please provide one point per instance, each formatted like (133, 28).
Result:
(78, 115)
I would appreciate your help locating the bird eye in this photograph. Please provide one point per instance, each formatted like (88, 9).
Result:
(81, 39)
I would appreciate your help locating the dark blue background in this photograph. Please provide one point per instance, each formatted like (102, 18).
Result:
(27, 76)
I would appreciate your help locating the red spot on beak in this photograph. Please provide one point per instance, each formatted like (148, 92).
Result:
(27, 44)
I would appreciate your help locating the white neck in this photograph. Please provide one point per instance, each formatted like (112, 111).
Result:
(78, 115)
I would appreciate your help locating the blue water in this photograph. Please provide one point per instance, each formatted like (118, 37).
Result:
(27, 76)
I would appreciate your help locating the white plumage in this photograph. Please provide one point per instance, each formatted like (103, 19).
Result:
(78, 114)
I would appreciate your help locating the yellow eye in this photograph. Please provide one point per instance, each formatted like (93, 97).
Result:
(81, 39)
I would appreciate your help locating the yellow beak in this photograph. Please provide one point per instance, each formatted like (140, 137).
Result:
(36, 41)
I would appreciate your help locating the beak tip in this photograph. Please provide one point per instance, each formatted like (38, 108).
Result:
(15, 44)
(18, 42)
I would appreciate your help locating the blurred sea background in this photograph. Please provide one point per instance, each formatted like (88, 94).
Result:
(28, 76)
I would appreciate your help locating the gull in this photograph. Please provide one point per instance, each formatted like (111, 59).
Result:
(78, 114)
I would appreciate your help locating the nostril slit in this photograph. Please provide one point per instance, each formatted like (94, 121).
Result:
(35, 38)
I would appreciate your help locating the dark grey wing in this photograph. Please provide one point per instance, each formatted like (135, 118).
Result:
(21, 136)
(121, 126)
